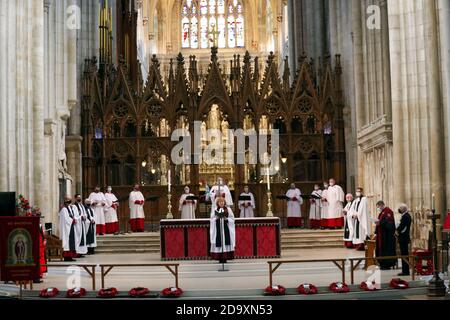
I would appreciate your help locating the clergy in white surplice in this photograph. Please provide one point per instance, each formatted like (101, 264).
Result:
(219, 190)
(187, 206)
(294, 203)
(137, 216)
(222, 232)
(247, 206)
(111, 220)
(335, 197)
(98, 204)
(315, 207)
(91, 236)
(81, 225)
(361, 218)
(67, 230)
(349, 222)
(324, 204)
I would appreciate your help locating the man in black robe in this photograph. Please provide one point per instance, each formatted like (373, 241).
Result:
(385, 236)
(403, 237)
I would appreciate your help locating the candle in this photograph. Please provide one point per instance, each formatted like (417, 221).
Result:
(168, 178)
(268, 179)
(433, 201)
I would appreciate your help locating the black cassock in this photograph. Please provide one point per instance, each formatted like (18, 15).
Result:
(386, 244)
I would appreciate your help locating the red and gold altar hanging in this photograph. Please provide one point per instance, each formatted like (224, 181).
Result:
(189, 240)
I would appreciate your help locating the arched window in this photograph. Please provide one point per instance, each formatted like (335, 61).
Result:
(205, 23)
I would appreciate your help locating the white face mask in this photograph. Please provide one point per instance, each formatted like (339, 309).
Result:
(358, 194)
(379, 210)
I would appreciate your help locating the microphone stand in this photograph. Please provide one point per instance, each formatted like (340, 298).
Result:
(222, 241)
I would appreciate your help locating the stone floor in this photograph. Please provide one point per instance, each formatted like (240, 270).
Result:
(203, 279)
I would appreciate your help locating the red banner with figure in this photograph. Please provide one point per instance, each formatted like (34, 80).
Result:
(19, 248)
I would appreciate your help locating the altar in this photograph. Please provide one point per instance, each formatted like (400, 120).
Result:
(256, 238)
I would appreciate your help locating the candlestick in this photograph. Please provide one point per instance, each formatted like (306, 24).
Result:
(268, 179)
(433, 201)
(169, 206)
(269, 204)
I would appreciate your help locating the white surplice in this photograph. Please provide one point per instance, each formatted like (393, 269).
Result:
(110, 211)
(294, 207)
(187, 209)
(362, 227)
(247, 212)
(98, 204)
(136, 210)
(213, 233)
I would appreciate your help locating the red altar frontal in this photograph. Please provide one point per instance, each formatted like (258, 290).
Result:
(189, 239)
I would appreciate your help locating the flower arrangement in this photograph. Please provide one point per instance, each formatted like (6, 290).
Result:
(275, 290)
(24, 208)
(398, 283)
(172, 292)
(107, 293)
(138, 292)
(76, 293)
(49, 293)
(307, 288)
(371, 286)
(339, 287)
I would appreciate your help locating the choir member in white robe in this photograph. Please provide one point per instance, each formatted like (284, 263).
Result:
(91, 236)
(361, 220)
(187, 207)
(137, 215)
(222, 232)
(315, 208)
(98, 204)
(67, 222)
(219, 190)
(247, 207)
(335, 198)
(294, 202)
(111, 220)
(81, 225)
(349, 222)
(324, 204)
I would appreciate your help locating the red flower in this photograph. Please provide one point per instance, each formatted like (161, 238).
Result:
(172, 292)
(364, 286)
(275, 290)
(76, 293)
(138, 292)
(398, 283)
(49, 293)
(307, 288)
(339, 287)
(107, 293)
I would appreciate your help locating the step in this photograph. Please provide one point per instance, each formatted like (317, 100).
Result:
(129, 242)
(129, 251)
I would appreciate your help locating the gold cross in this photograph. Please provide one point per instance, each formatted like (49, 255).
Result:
(214, 35)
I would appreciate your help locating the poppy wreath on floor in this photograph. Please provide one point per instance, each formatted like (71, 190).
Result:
(107, 293)
(368, 286)
(138, 292)
(172, 292)
(307, 288)
(275, 290)
(76, 293)
(49, 293)
(398, 283)
(339, 287)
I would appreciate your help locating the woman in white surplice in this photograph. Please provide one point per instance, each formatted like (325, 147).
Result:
(222, 232)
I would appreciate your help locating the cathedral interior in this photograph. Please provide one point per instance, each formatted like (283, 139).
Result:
(358, 90)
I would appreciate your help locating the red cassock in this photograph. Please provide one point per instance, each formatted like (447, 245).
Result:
(42, 260)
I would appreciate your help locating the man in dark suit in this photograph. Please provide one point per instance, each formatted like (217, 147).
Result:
(403, 236)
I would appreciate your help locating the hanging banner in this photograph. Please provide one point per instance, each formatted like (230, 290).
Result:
(19, 248)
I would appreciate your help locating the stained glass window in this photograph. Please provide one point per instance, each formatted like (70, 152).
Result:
(207, 23)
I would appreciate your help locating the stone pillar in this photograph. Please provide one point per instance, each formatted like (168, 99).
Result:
(41, 198)
(397, 98)
(434, 104)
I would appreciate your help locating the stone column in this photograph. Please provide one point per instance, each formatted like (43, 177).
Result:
(397, 97)
(434, 104)
(41, 198)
